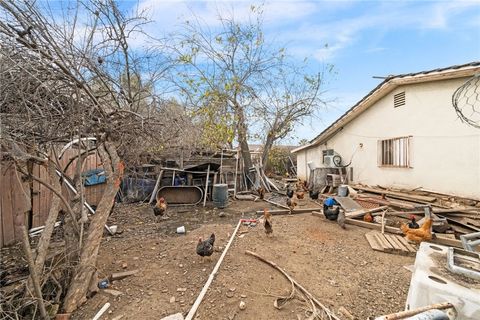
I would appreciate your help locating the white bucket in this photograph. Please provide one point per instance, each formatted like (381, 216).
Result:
(181, 230)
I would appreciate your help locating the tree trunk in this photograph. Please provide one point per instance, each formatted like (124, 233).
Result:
(33, 276)
(72, 247)
(266, 148)
(243, 141)
(85, 270)
(72, 252)
(44, 242)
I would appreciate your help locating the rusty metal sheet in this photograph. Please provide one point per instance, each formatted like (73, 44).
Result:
(348, 204)
(181, 194)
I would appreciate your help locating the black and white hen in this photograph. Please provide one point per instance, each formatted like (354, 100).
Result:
(205, 248)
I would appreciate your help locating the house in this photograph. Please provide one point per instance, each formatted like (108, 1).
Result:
(406, 133)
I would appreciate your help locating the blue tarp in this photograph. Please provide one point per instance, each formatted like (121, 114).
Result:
(93, 177)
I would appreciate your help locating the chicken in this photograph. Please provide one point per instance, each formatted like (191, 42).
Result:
(290, 193)
(299, 184)
(368, 217)
(314, 194)
(331, 213)
(341, 219)
(418, 235)
(305, 186)
(300, 194)
(261, 192)
(267, 223)
(292, 203)
(205, 248)
(160, 208)
(413, 223)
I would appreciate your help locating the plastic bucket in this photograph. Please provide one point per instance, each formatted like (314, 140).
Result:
(343, 190)
(220, 195)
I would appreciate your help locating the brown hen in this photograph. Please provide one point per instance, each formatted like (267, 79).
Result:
(267, 223)
(368, 217)
(418, 235)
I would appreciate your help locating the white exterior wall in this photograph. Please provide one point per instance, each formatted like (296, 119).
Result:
(445, 153)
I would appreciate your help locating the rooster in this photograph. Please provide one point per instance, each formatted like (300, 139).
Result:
(292, 203)
(290, 192)
(418, 235)
(267, 223)
(205, 248)
(160, 208)
(314, 194)
(261, 192)
(413, 223)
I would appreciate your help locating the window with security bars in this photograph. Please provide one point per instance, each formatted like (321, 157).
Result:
(394, 152)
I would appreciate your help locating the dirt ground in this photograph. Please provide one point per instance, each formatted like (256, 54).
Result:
(337, 266)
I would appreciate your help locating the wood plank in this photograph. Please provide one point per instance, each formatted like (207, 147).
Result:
(445, 236)
(35, 197)
(407, 245)
(3, 184)
(7, 210)
(398, 195)
(157, 185)
(373, 242)
(471, 222)
(387, 247)
(390, 203)
(276, 204)
(447, 242)
(282, 211)
(318, 214)
(399, 244)
(393, 243)
(121, 275)
(362, 212)
(20, 204)
(44, 197)
(372, 226)
(48, 199)
(459, 223)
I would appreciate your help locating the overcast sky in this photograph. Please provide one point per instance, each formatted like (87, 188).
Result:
(363, 38)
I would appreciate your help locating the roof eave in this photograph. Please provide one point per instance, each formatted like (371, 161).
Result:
(383, 89)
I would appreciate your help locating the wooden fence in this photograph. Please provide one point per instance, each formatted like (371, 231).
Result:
(29, 202)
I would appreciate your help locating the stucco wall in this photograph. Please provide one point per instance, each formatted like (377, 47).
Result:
(445, 153)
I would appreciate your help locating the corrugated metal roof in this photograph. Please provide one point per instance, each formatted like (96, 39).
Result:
(389, 78)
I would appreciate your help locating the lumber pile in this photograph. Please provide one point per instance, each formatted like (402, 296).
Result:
(384, 210)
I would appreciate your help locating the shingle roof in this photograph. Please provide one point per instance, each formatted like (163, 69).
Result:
(387, 79)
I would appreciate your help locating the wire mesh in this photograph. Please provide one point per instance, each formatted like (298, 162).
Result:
(466, 101)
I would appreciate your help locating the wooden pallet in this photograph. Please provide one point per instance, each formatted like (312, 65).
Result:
(390, 243)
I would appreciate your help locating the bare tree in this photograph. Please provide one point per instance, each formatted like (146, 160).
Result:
(223, 65)
(69, 77)
(238, 82)
(288, 95)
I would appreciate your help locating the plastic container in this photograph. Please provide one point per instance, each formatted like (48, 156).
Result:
(181, 230)
(220, 195)
(433, 283)
(343, 190)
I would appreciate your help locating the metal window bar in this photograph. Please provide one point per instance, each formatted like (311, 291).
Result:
(394, 152)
